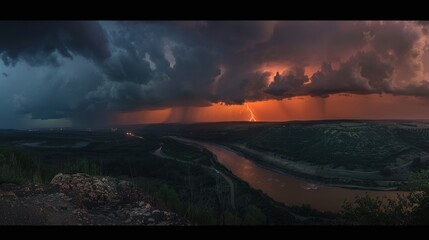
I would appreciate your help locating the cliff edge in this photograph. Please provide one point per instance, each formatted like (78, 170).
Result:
(81, 199)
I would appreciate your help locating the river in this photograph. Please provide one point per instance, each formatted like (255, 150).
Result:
(285, 188)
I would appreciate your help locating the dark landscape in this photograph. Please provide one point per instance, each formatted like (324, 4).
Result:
(168, 166)
(200, 122)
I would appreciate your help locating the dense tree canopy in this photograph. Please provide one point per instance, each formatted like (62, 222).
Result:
(409, 209)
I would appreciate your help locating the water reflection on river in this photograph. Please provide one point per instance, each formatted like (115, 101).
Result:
(285, 188)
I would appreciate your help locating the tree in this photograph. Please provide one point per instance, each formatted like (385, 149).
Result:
(2, 158)
(170, 197)
(254, 216)
(365, 210)
(419, 197)
(411, 208)
(231, 219)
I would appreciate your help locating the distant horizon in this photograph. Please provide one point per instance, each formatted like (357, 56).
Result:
(220, 122)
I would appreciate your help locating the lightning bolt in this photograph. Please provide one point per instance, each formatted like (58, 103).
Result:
(252, 117)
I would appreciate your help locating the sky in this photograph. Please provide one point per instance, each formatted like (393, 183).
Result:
(99, 73)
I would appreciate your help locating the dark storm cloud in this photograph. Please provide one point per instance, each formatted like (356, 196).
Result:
(237, 35)
(155, 66)
(81, 70)
(385, 58)
(35, 41)
(363, 73)
(287, 83)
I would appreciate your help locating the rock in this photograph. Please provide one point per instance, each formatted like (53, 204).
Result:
(9, 186)
(124, 184)
(94, 190)
(57, 179)
(157, 215)
(79, 212)
(89, 200)
(7, 194)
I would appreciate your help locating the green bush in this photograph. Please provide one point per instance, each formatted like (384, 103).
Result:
(231, 219)
(83, 166)
(19, 167)
(254, 216)
(409, 209)
(201, 215)
(170, 197)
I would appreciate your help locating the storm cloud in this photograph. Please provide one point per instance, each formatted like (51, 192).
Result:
(88, 71)
(35, 41)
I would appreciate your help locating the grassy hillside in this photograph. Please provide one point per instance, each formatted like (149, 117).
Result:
(349, 144)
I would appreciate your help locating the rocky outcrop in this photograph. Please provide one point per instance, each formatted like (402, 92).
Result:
(81, 199)
(92, 191)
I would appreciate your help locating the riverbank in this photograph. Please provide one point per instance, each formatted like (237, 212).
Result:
(302, 171)
(320, 175)
(286, 188)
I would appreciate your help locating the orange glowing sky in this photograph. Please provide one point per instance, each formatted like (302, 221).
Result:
(300, 108)
(117, 72)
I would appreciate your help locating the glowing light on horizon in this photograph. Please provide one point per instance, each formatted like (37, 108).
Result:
(133, 135)
(252, 117)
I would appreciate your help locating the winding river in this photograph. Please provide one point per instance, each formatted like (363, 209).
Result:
(285, 188)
